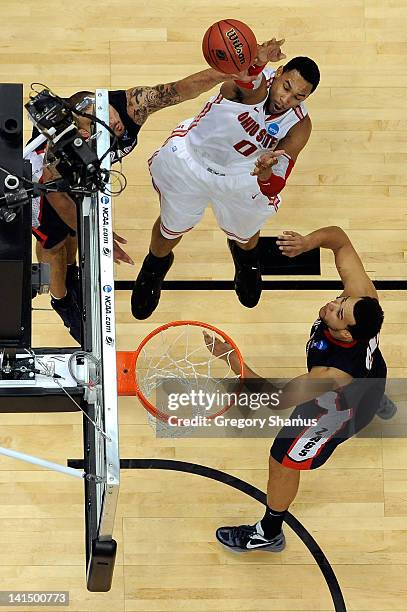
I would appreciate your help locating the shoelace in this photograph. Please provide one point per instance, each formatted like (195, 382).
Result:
(247, 530)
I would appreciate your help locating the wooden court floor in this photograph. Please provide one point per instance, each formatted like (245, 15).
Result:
(351, 174)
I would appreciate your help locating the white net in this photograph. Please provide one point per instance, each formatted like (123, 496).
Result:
(179, 361)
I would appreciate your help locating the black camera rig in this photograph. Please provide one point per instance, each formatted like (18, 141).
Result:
(80, 173)
(77, 162)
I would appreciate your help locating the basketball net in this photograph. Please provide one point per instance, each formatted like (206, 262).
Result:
(175, 360)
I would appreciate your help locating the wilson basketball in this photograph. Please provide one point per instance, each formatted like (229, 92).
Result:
(229, 46)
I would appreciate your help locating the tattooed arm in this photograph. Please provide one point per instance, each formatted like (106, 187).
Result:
(142, 101)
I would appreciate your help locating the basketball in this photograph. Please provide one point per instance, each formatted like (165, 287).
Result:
(229, 46)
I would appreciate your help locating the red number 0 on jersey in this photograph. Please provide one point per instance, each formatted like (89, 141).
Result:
(245, 147)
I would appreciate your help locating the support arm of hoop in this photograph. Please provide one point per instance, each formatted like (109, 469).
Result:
(126, 373)
(49, 465)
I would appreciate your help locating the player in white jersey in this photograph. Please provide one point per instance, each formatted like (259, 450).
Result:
(54, 221)
(237, 153)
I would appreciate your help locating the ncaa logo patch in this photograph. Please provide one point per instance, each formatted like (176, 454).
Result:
(107, 288)
(273, 129)
(105, 200)
(320, 345)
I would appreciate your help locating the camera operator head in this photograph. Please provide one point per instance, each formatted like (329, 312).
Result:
(124, 129)
(84, 123)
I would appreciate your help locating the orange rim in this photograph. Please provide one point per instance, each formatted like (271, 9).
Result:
(146, 403)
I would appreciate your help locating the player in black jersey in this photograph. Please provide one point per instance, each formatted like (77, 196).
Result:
(342, 390)
(55, 228)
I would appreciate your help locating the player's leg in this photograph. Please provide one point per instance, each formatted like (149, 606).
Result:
(160, 246)
(72, 269)
(61, 301)
(182, 205)
(71, 249)
(241, 210)
(52, 235)
(282, 486)
(56, 258)
(54, 246)
(147, 288)
(326, 423)
(291, 452)
(246, 259)
(267, 533)
(282, 489)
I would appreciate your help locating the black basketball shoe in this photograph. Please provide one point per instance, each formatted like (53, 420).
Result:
(245, 538)
(147, 288)
(247, 276)
(69, 312)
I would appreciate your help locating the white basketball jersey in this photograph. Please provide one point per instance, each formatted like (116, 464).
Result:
(231, 136)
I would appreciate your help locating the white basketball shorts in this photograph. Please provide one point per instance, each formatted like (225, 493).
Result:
(186, 184)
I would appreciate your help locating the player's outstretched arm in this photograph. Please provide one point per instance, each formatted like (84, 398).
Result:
(348, 263)
(296, 391)
(143, 101)
(273, 168)
(311, 385)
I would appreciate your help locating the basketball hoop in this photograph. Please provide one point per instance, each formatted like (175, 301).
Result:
(175, 356)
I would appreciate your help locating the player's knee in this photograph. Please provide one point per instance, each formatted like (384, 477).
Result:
(281, 476)
(277, 468)
(249, 244)
(55, 249)
(169, 235)
(285, 466)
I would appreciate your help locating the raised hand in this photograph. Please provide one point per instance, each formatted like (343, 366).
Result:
(217, 347)
(118, 253)
(270, 51)
(264, 164)
(292, 243)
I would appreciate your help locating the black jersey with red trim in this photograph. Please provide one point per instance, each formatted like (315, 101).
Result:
(359, 358)
(126, 142)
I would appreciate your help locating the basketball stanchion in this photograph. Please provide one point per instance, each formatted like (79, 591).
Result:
(100, 423)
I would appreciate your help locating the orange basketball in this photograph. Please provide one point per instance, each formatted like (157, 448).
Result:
(229, 46)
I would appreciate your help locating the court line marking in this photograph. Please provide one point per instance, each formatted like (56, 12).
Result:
(276, 285)
(208, 472)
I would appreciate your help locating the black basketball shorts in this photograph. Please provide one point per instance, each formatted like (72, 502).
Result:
(338, 415)
(52, 229)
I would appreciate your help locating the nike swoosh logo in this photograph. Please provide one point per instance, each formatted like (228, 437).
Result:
(254, 196)
(257, 545)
